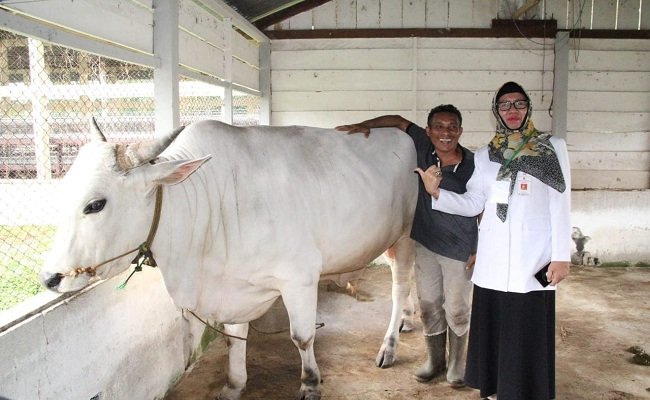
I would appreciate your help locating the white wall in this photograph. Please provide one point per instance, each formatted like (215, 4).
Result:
(324, 82)
(618, 223)
(608, 121)
(126, 344)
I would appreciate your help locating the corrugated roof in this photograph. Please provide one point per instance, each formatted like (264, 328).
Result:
(268, 12)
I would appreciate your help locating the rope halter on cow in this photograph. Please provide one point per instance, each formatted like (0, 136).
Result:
(144, 256)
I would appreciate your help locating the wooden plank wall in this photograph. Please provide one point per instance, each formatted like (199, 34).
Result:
(608, 118)
(351, 14)
(131, 24)
(570, 14)
(208, 41)
(325, 82)
(331, 82)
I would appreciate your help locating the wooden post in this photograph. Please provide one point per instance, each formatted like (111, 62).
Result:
(39, 98)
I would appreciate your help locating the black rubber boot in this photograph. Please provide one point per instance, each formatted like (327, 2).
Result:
(435, 363)
(457, 358)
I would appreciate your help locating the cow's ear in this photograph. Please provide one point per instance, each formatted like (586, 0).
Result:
(173, 172)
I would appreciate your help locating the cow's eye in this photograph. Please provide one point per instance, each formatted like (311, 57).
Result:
(94, 206)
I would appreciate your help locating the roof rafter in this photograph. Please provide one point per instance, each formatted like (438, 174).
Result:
(288, 12)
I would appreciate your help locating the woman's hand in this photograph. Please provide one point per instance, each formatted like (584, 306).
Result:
(431, 178)
(557, 272)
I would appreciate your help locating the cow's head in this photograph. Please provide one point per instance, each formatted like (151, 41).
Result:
(107, 205)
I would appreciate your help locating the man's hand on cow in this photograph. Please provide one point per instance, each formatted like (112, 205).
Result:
(557, 272)
(354, 128)
(431, 178)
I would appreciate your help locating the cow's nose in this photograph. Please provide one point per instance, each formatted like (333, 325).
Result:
(50, 280)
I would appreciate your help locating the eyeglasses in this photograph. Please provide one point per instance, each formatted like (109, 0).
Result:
(506, 105)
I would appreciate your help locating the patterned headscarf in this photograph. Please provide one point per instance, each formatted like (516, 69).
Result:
(525, 149)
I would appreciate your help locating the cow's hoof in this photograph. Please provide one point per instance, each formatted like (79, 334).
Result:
(385, 358)
(229, 393)
(387, 353)
(308, 394)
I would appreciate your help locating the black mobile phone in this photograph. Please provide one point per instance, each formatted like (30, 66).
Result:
(541, 275)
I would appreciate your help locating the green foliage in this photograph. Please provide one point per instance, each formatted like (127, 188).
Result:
(624, 264)
(22, 251)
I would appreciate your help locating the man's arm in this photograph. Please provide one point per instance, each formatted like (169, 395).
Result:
(384, 121)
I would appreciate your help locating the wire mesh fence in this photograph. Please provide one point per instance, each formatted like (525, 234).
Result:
(48, 94)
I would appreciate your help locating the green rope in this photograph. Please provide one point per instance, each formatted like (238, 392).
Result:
(145, 256)
(122, 285)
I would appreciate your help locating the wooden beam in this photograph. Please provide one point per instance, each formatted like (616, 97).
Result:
(287, 13)
(241, 23)
(527, 28)
(609, 33)
(531, 28)
(523, 9)
(495, 32)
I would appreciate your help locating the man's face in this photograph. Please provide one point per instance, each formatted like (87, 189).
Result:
(444, 130)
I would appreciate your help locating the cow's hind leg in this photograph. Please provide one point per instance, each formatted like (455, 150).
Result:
(401, 273)
(237, 374)
(300, 303)
(408, 306)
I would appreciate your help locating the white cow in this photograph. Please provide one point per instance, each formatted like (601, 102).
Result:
(273, 210)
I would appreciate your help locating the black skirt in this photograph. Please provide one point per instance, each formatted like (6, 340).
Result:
(511, 349)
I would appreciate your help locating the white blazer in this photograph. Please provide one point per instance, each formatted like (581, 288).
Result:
(537, 228)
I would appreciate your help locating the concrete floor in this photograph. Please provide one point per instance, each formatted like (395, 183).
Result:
(600, 313)
(345, 350)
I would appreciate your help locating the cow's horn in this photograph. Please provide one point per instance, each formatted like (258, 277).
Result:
(96, 132)
(135, 154)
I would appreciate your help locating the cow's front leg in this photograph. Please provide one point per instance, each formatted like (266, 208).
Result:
(300, 303)
(237, 375)
(401, 273)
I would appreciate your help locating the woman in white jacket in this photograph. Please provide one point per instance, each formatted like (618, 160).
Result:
(522, 183)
